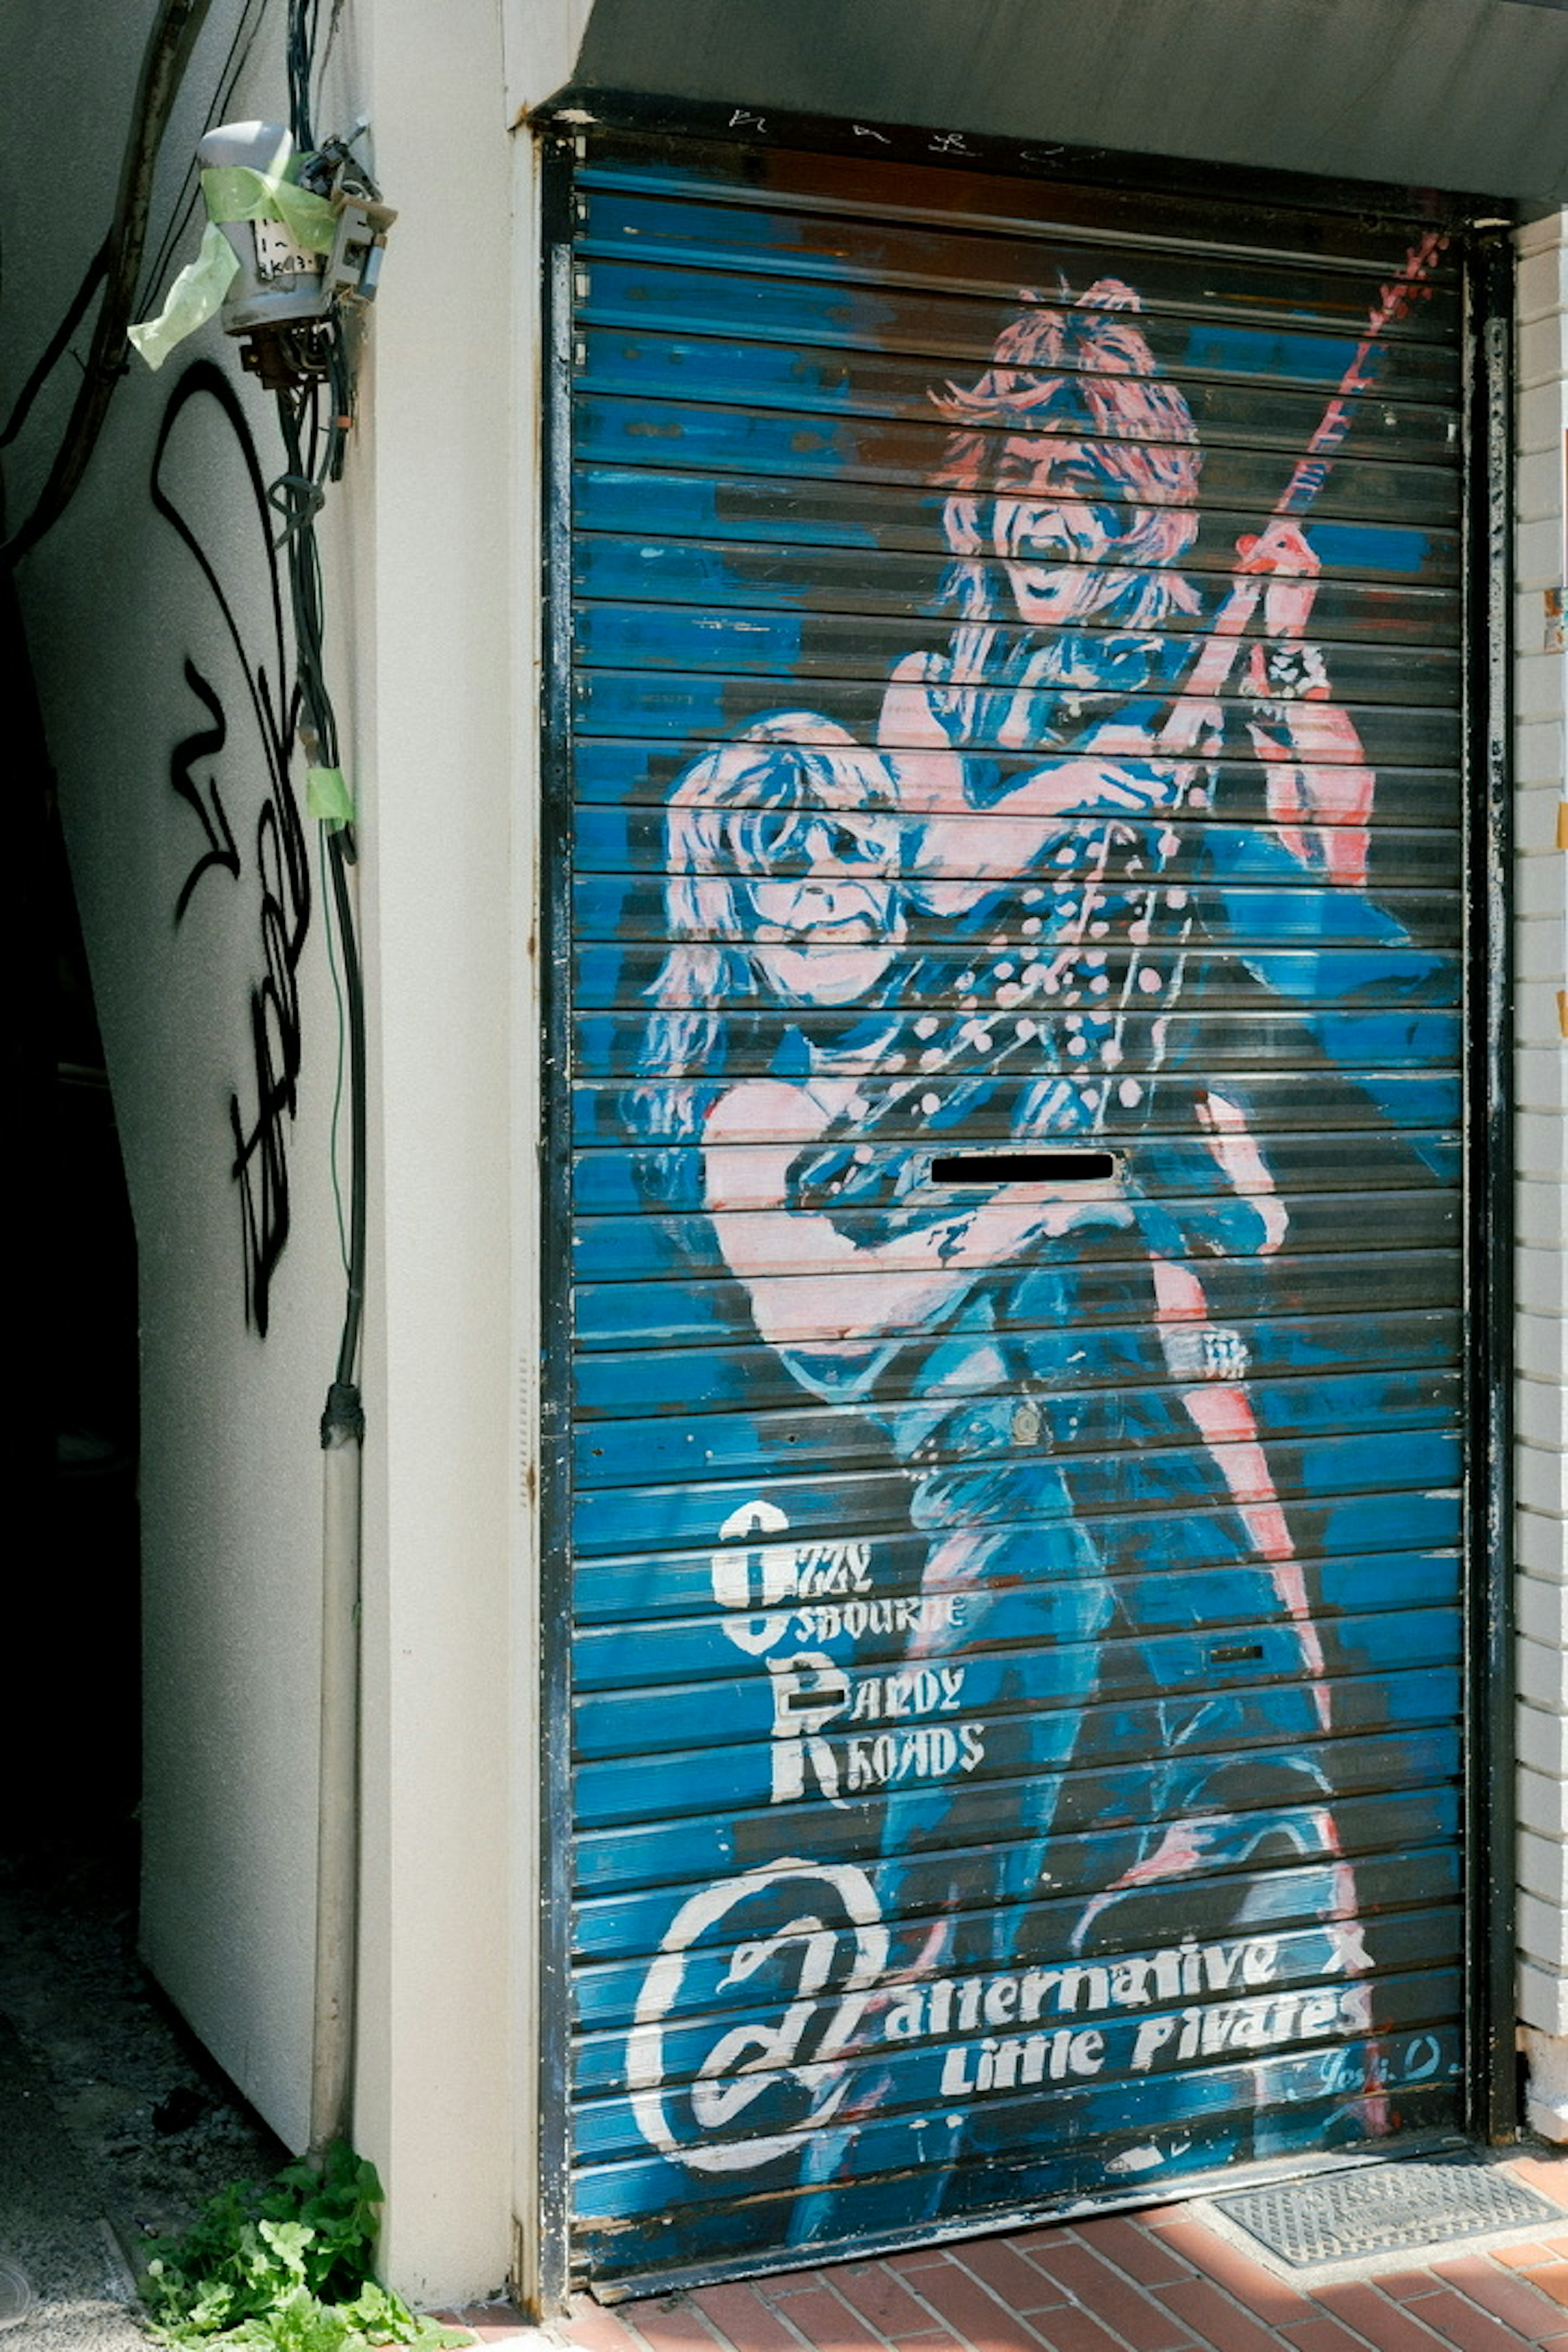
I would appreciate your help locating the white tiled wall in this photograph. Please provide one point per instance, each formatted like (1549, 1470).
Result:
(1541, 1064)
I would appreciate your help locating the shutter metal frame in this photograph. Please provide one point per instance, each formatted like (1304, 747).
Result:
(552, 2219)
(1490, 2086)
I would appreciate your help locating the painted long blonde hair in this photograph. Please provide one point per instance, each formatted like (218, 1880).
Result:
(1076, 365)
(731, 818)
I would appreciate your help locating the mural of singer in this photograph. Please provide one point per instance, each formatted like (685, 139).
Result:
(990, 927)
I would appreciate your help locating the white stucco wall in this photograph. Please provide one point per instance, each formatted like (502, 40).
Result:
(1541, 700)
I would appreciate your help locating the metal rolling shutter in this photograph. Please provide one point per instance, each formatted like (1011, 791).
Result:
(1017, 1600)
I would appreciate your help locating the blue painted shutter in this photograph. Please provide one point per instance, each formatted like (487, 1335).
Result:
(1018, 1701)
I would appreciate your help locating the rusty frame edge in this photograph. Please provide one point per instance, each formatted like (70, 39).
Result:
(1491, 2090)
(552, 2219)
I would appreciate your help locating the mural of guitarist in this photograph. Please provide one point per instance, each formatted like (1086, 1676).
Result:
(982, 1194)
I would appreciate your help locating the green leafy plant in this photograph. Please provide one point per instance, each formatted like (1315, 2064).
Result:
(285, 2266)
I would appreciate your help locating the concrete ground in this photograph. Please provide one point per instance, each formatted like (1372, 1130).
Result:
(1174, 2278)
(114, 2126)
(51, 2229)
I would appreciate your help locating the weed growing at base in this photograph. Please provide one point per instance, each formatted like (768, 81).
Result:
(285, 2266)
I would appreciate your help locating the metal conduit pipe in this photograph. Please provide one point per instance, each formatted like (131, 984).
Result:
(337, 1838)
(343, 1443)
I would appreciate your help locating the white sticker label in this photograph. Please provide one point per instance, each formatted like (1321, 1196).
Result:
(277, 256)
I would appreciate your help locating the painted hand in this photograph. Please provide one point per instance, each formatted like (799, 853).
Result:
(1282, 551)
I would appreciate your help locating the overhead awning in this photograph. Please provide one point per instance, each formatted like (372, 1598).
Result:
(1457, 94)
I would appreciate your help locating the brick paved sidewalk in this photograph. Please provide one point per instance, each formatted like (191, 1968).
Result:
(1159, 2281)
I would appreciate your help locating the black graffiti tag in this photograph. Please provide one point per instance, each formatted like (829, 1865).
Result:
(205, 744)
(262, 1108)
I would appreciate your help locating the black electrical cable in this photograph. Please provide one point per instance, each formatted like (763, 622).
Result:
(55, 349)
(164, 60)
(314, 453)
(332, 24)
(313, 447)
(314, 450)
(247, 32)
(300, 51)
(353, 992)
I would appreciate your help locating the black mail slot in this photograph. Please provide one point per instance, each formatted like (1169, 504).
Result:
(1023, 1167)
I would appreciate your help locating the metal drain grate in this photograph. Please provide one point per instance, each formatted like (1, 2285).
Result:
(1385, 2208)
